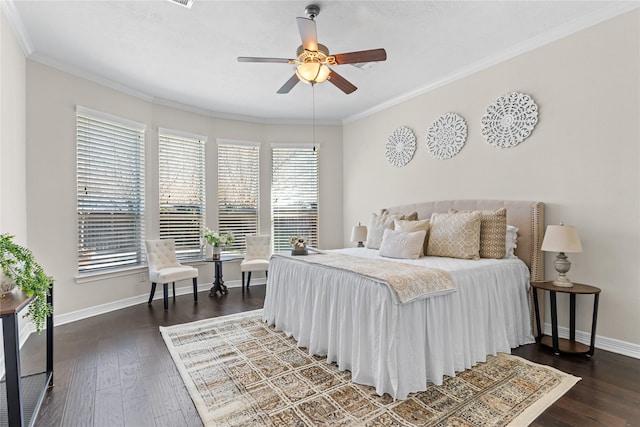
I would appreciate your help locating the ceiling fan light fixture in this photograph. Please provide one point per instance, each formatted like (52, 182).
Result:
(312, 72)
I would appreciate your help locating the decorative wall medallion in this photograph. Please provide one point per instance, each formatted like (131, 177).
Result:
(400, 147)
(446, 136)
(509, 120)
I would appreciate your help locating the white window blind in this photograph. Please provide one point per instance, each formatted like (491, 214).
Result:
(110, 193)
(238, 190)
(294, 195)
(182, 191)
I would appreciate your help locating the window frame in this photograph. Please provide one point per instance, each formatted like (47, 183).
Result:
(244, 226)
(280, 239)
(188, 237)
(106, 203)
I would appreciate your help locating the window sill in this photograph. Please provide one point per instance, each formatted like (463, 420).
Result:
(104, 275)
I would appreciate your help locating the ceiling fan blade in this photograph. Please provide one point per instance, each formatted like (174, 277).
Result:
(373, 55)
(289, 84)
(308, 34)
(254, 59)
(341, 83)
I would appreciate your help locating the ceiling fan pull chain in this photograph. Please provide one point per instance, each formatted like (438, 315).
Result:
(313, 114)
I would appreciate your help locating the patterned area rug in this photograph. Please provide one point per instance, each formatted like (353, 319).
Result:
(241, 372)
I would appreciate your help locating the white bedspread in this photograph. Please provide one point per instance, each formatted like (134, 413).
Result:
(396, 348)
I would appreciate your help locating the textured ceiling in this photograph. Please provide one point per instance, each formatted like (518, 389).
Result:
(185, 56)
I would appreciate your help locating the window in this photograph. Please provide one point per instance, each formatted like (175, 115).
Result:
(182, 191)
(238, 190)
(294, 194)
(110, 194)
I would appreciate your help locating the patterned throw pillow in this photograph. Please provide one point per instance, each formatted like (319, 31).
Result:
(402, 244)
(423, 224)
(455, 235)
(379, 222)
(493, 233)
(493, 227)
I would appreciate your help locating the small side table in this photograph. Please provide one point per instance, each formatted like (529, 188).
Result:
(561, 345)
(218, 283)
(23, 395)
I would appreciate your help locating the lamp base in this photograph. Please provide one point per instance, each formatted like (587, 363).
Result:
(563, 282)
(360, 245)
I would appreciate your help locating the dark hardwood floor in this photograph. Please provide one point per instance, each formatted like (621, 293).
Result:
(114, 369)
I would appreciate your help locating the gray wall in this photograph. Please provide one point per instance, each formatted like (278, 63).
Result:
(582, 159)
(52, 97)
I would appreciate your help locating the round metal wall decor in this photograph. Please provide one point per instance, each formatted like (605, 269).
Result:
(509, 120)
(446, 136)
(400, 147)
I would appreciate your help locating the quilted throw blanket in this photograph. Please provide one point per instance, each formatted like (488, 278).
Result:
(409, 282)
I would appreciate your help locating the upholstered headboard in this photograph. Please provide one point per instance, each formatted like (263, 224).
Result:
(527, 216)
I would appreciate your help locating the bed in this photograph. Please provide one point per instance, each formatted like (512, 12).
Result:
(397, 347)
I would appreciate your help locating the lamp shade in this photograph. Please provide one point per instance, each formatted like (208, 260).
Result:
(359, 233)
(312, 72)
(561, 238)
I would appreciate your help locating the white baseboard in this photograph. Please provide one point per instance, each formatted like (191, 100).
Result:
(128, 302)
(603, 343)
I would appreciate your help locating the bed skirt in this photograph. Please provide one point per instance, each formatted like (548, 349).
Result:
(397, 348)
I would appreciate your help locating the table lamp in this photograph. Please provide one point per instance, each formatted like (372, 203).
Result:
(561, 238)
(359, 234)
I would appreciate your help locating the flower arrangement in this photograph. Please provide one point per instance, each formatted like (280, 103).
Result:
(298, 242)
(215, 238)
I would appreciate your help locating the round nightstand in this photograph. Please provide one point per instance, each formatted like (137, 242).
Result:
(562, 345)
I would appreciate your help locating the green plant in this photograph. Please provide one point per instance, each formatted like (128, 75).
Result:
(19, 265)
(217, 239)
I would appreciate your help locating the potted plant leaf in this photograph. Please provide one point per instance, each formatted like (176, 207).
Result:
(21, 270)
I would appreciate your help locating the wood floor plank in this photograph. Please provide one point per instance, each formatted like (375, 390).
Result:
(132, 382)
(108, 411)
(137, 412)
(80, 404)
(161, 395)
(191, 417)
(172, 419)
(54, 401)
(108, 370)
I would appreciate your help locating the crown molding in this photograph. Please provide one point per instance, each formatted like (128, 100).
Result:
(617, 8)
(17, 26)
(543, 39)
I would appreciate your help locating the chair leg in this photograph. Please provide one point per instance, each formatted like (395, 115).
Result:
(174, 291)
(165, 289)
(195, 289)
(248, 280)
(153, 292)
(243, 282)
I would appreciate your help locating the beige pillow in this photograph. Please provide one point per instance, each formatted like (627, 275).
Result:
(404, 225)
(413, 216)
(455, 235)
(379, 222)
(402, 244)
(493, 226)
(375, 230)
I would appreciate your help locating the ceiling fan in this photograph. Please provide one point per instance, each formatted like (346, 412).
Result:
(313, 59)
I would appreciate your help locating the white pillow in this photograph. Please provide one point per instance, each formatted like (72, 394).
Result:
(511, 241)
(402, 244)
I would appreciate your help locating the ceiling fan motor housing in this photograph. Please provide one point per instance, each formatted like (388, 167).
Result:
(312, 11)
